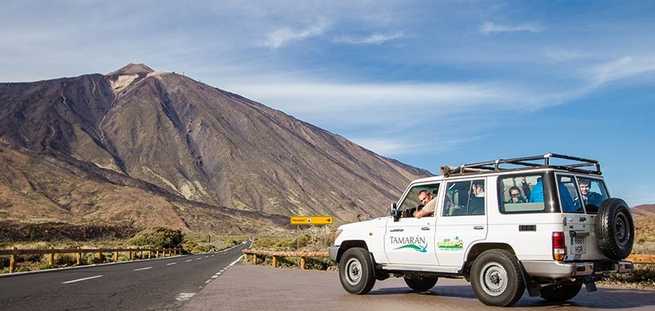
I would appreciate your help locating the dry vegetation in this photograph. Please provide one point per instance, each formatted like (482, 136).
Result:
(304, 239)
(192, 243)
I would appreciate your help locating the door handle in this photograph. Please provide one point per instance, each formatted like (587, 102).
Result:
(425, 228)
(478, 228)
(397, 230)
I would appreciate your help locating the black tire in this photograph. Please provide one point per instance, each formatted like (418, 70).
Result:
(497, 278)
(356, 271)
(560, 292)
(420, 282)
(615, 230)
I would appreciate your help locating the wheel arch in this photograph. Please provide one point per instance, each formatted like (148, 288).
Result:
(345, 245)
(476, 249)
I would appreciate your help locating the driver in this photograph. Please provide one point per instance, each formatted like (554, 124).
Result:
(429, 204)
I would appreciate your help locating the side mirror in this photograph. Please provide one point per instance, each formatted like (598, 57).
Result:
(395, 212)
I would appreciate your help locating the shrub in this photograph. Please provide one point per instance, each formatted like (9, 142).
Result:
(158, 237)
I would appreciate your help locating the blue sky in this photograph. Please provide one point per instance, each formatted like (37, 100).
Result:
(427, 83)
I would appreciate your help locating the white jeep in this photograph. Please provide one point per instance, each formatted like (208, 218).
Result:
(544, 223)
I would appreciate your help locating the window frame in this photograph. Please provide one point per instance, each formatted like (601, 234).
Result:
(400, 202)
(577, 191)
(500, 187)
(471, 180)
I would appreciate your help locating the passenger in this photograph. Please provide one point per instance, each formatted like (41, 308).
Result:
(589, 197)
(476, 201)
(515, 195)
(429, 204)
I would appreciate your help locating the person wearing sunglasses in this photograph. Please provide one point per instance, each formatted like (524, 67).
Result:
(428, 202)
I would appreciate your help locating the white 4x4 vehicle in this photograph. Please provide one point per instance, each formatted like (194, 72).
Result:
(543, 223)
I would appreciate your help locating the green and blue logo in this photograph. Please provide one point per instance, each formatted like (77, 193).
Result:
(416, 243)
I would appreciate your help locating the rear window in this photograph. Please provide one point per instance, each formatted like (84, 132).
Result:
(521, 194)
(593, 192)
(568, 194)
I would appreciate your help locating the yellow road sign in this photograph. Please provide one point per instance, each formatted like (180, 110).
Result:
(310, 220)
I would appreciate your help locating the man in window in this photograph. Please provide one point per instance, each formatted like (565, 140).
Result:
(589, 197)
(429, 204)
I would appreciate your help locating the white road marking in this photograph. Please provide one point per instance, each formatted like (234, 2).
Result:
(199, 258)
(141, 269)
(188, 260)
(82, 279)
(171, 263)
(184, 296)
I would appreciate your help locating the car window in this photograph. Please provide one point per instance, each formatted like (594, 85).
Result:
(465, 198)
(593, 193)
(521, 194)
(411, 203)
(568, 195)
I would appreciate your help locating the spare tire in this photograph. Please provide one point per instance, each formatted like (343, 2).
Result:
(615, 230)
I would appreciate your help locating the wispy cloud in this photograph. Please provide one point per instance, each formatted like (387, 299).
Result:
(564, 55)
(285, 35)
(621, 68)
(386, 146)
(374, 38)
(491, 27)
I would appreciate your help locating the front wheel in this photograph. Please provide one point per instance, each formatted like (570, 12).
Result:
(420, 282)
(561, 292)
(356, 271)
(497, 278)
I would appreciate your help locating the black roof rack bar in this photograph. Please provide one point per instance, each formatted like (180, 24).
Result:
(582, 166)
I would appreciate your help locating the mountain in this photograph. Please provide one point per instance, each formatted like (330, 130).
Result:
(188, 141)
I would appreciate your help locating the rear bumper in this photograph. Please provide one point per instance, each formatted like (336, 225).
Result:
(557, 270)
(333, 251)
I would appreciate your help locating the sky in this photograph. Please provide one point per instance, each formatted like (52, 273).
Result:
(428, 83)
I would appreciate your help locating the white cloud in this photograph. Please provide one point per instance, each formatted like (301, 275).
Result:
(386, 147)
(491, 27)
(285, 35)
(620, 69)
(375, 38)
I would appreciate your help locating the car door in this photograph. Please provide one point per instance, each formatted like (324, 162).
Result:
(462, 220)
(410, 240)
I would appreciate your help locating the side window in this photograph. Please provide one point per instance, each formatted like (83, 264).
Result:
(411, 202)
(593, 193)
(521, 194)
(568, 195)
(465, 198)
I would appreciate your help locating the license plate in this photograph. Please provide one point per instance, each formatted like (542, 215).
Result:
(578, 246)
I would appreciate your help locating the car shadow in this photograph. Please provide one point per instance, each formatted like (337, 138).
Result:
(604, 298)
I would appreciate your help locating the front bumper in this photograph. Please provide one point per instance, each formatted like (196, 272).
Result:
(557, 270)
(333, 251)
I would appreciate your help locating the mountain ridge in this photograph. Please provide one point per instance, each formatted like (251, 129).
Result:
(201, 143)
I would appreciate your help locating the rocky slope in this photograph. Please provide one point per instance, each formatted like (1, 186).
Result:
(189, 140)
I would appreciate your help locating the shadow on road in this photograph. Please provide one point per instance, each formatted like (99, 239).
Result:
(602, 299)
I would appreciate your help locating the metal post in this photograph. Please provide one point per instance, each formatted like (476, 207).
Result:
(12, 261)
(51, 259)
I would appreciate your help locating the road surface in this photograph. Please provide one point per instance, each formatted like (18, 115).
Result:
(164, 284)
(247, 287)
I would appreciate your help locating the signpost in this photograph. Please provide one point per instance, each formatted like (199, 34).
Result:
(310, 220)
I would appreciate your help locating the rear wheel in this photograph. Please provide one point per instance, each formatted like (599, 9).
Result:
(497, 278)
(356, 271)
(561, 292)
(420, 282)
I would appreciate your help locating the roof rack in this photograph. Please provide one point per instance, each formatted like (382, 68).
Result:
(572, 164)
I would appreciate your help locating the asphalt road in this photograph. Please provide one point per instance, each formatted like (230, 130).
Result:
(248, 287)
(164, 284)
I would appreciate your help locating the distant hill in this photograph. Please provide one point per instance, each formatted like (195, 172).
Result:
(160, 148)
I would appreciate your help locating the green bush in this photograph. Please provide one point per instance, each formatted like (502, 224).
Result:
(158, 237)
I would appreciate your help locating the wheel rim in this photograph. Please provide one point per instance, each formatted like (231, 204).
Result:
(622, 235)
(493, 279)
(353, 271)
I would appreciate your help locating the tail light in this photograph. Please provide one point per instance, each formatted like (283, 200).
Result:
(559, 246)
